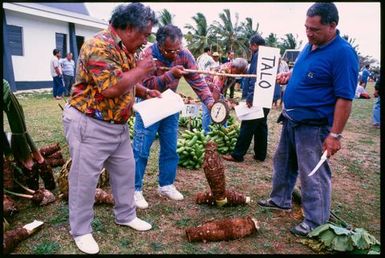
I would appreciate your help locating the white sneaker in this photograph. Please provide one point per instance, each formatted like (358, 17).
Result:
(140, 202)
(87, 244)
(171, 192)
(137, 224)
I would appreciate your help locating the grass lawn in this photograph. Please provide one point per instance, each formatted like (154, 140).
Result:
(355, 196)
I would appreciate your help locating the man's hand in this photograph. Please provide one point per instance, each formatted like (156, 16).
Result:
(146, 64)
(332, 145)
(249, 104)
(283, 78)
(153, 94)
(177, 71)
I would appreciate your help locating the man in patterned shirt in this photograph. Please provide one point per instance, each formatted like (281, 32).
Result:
(95, 119)
(219, 84)
(167, 52)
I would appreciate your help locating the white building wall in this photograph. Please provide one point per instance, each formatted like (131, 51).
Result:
(85, 31)
(38, 43)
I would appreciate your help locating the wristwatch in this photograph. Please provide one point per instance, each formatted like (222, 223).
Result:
(336, 135)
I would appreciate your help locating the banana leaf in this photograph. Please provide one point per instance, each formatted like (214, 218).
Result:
(21, 142)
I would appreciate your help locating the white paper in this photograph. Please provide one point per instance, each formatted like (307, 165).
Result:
(155, 109)
(267, 67)
(243, 112)
(35, 224)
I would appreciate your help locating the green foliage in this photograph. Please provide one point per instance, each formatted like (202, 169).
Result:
(336, 238)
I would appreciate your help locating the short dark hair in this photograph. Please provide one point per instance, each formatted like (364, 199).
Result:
(206, 49)
(168, 31)
(257, 39)
(135, 15)
(55, 51)
(327, 11)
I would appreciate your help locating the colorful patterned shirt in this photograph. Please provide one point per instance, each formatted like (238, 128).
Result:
(162, 80)
(102, 61)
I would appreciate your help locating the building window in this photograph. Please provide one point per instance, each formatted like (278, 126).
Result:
(15, 38)
(61, 43)
(79, 42)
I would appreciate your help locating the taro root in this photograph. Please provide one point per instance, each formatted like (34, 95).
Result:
(219, 230)
(9, 206)
(215, 173)
(233, 198)
(49, 149)
(46, 173)
(7, 174)
(102, 196)
(40, 197)
(31, 176)
(13, 237)
(55, 162)
(55, 155)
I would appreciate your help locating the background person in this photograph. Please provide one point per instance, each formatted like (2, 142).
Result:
(376, 117)
(169, 52)
(317, 104)
(218, 85)
(57, 75)
(68, 67)
(95, 120)
(256, 128)
(205, 61)
(365, 75)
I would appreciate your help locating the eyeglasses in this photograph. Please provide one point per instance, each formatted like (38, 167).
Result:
(172, 52)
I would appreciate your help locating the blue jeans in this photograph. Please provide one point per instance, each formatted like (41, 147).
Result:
(167, 129)
(377, 112)
(298, 152)
(58, 86)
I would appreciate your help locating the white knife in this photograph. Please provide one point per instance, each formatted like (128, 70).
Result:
(321, 161)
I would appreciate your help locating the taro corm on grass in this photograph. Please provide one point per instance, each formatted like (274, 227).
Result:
(214, 171)
(39, 197)
(226, 229)
(13, 237)
(9, 206)
(233, 198)
(49, 149)
(102, 196)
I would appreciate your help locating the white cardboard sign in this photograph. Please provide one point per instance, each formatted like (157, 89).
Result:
(267, 66)
(189, 110)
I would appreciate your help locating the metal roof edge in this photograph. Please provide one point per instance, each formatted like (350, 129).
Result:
(57, 14)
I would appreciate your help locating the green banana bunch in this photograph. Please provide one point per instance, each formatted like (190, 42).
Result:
(225, 138)
(196, 123)
(183, 121)
(191, 148)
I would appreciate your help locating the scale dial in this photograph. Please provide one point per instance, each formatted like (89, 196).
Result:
(219, 112)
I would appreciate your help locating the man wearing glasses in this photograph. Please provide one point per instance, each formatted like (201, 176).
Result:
(167, 51)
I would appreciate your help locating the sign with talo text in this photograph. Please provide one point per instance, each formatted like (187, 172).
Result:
(267, 67)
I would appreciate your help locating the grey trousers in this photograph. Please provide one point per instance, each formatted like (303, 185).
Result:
(93, 145)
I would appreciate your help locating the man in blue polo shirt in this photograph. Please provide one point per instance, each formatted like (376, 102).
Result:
(317, 104)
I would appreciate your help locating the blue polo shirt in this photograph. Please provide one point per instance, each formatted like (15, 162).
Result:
(318, 78)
